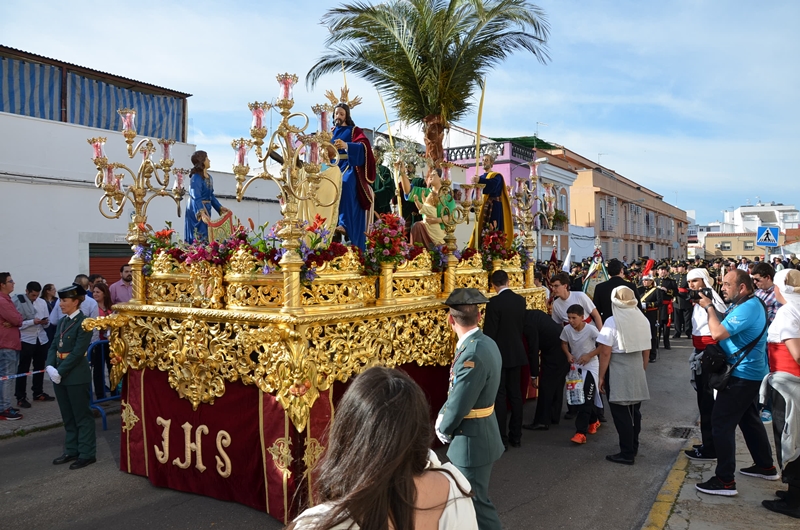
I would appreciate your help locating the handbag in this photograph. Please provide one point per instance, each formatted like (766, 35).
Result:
(719, 370)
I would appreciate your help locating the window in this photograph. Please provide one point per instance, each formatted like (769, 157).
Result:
(749, 245)
(725, 245)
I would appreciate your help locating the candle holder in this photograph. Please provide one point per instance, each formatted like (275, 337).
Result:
(523, 201)
(467, 207)
(151, 180)
(298, 179)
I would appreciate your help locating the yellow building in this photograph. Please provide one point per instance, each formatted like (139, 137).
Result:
(736, 245)
(630, 220)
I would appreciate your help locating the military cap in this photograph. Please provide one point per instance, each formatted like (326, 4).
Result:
(663, 266)
(73, 291)
(465, 296)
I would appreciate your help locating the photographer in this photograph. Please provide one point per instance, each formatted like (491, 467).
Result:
(700, 283)
(743, 323)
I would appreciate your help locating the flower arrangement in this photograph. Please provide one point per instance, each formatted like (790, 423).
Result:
(494, 245)
(439, 257)
(386, 243)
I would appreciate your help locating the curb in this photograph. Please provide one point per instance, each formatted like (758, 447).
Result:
(668, 494)
(22, 431)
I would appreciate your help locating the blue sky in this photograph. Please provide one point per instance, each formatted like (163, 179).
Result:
(697, 100)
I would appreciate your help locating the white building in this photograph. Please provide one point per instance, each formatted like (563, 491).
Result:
(53, 228)
(749, 217)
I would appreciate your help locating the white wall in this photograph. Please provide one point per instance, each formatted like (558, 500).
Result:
(49, 205)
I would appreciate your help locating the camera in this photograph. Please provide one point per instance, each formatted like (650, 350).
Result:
(695, 295)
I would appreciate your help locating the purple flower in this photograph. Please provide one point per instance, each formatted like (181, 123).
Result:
(386, 252)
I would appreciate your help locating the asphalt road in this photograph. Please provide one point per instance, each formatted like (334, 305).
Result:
(548, 483)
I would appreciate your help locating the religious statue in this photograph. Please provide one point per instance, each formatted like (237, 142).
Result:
(429, 231)
(384, 186)
(357, 164)
(201, 200)
(496, 211)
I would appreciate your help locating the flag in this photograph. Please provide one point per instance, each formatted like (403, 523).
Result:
(567, 261)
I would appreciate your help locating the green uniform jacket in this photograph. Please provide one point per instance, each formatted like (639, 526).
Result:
(476, 442)
(74, 369)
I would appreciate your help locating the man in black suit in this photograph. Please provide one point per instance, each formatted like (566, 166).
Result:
(504, 323)
(544, 335)
(602, 292)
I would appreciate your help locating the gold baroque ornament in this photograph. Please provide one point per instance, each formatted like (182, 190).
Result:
(282, 456)
(207, 284)
(129, 418)
(475, 262)
(165, 264)
(347, 262)
(313, 451)
(243, 264)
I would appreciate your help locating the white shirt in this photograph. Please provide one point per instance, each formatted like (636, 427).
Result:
(610, 337)
(700, 319)
(560, 307)
(582, 342)
(786, 324)
(465, 337)
(30, 332)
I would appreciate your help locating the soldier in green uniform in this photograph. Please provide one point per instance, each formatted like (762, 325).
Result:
(467, 419)
(69, 370)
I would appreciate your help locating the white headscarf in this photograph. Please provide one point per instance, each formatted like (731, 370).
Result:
(695, 274)
(632, 326)
(788, 281)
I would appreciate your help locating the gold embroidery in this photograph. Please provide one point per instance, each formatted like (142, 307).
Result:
(223, 464)
(163, 456)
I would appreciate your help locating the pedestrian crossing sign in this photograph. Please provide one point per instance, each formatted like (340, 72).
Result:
(767, 236)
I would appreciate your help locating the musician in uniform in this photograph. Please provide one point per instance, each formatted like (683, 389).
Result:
(668, 288)
(683, 307)
(651, 299)
(69, 370)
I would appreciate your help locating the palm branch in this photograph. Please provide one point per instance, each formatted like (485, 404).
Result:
(427, 56)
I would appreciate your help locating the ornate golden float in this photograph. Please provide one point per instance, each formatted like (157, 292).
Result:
(247, 366)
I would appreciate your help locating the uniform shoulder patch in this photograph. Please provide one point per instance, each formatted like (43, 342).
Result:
(469, 364)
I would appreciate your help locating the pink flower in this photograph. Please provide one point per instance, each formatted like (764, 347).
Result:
(386, 240)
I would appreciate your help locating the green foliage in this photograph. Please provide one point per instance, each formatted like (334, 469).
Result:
(428, 56)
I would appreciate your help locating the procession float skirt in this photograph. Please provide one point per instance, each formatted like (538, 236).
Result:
(227, 396)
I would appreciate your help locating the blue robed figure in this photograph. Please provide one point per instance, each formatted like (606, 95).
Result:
(496, 211)
(201, 200)
(357, 165)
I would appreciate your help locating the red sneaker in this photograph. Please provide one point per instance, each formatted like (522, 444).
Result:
(578, 438)
(593, 427)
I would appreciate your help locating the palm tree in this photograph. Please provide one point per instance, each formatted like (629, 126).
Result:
(428, 56)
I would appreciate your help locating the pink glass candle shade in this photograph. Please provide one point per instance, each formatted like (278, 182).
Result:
(324, 124)
(286, 84)
(128, 119)
(109, 175)
(98, 149)
(178, 180)
(118, 183)
(167, 151)
(314, 154)
(258, 118)
(241, 154)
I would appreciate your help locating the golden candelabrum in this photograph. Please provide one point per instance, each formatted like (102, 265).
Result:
(523, 199)
(468, 205)
(151, 180)
(299, 179)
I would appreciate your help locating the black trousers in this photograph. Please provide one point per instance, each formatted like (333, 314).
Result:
(627, 422)
(587, 413)
(550, 398)
(705, 405)
(791, 473)
(36, 354)
(100, 362)
(684, 319)
(663, 331)
(737, 405)
(509, 393)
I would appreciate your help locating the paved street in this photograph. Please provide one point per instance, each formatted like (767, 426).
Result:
(547, 483)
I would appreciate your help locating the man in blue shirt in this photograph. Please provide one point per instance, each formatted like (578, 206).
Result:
(744, 322)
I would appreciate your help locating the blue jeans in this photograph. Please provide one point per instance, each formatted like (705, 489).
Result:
(9, 359)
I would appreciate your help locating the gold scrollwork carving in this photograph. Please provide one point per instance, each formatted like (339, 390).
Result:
(208, 291)
(313, 451)
(348, 262)
(254, 296)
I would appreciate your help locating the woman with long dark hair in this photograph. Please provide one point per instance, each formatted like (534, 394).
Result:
(100, 356)
(378, 471)
(201, 199)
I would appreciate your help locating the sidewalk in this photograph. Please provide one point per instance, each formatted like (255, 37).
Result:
(679, 506)
(44, 415)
